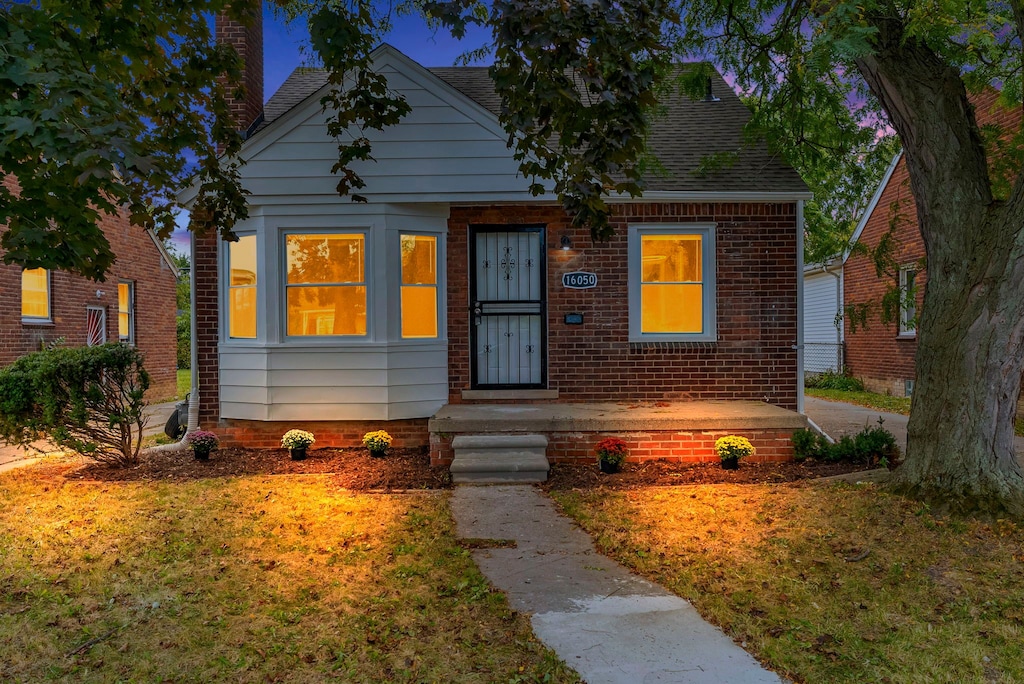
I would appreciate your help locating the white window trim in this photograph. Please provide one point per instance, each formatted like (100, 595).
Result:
(131, 313)
(226, 290)
(368, 281)
(708, 265)
(40, 320)
(905, 330)
(438, 286)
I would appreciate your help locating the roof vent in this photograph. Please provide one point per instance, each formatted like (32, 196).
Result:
(709, 94)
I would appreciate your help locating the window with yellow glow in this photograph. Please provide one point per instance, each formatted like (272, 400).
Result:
(672, 282)
(326, 284)
(419, 286)
(35, 293)
(242, 288)
(126, 312)
(671, 289)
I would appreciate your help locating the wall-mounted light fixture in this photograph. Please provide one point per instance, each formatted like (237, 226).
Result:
(566, 243)
(99, 294)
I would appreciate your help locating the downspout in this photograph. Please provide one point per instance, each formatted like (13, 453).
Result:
(193, 396)
(800, 306)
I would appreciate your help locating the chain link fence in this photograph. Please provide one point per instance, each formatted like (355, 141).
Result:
(822, 357)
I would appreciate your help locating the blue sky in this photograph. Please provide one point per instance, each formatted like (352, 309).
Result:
(283, 51)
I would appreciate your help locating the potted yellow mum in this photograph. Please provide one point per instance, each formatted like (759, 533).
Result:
(731, 449)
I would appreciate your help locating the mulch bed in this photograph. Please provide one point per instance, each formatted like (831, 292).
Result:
(351, 468)
(405, 469)
(664, 473)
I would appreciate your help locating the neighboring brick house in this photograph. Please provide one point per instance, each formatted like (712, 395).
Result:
(453, 285)
(881, 354)
(137, 303)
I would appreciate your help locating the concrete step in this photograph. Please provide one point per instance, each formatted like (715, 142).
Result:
(494, 459)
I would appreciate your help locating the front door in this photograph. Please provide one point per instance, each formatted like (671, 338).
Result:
(507, 294)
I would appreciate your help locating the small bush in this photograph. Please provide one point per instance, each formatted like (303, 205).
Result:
(809, 444)
(87, 399)
(872, 445)
(834, 381)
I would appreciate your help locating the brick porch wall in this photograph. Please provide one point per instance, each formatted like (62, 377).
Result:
(756, 274)
(138, 261)
(685, 447)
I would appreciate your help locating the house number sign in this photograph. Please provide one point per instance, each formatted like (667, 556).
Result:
(579, 280)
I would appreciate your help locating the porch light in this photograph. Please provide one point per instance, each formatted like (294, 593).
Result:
(566, 243)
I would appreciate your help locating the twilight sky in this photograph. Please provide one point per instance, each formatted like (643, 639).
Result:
(282, 53)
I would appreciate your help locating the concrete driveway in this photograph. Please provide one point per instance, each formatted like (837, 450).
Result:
(838, 418)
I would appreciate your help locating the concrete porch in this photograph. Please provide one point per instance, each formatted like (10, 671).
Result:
(677, 431)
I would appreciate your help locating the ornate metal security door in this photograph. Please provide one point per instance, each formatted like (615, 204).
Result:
(507, 294)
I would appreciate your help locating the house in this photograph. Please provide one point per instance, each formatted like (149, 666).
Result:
(453, 301)
(823, 317)
(878, 353)
(136, 304)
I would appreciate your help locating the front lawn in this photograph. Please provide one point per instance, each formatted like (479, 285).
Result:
(839, 583)
(248, 579)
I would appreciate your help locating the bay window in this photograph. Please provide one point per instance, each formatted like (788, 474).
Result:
(325, 287)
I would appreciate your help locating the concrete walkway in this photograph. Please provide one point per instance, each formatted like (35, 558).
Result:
(609, 625)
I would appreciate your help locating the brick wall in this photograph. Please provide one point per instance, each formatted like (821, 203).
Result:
(251, 433)
(756, 299)
(139, 261)
(875, 353)
(686, 447)
(205, 282)
(247, 39)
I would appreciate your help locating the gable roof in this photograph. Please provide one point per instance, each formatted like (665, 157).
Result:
(870, 209)
(681, 137)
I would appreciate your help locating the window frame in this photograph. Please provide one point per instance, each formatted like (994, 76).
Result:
(709, 298)
(904, 329)
(228, 287)
(367, 282)
(438, 275)
(37, 320)
(130, 339)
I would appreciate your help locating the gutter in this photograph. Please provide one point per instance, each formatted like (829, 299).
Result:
(193, 396)
(799, 346)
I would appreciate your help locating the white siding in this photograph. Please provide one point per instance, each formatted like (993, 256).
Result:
(384, 383)
(821, 336)
(446, 149)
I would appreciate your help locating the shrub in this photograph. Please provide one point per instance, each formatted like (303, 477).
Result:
(835, 381)
(733, 446)
(809, 444)
(378, 440)
(297, 439)
(872, 445)
(87, 399)
(611, 450)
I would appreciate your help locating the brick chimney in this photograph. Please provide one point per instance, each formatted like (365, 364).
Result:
(247, 39)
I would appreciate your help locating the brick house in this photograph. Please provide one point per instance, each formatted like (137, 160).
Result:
(136, 304)
(882, 354)
(453, 289)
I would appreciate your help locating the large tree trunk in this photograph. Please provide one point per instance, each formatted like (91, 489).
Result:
(960, 453)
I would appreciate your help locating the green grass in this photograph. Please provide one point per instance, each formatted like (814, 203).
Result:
(882, 402)
(833, 584)
(184, 382)
(252, 579)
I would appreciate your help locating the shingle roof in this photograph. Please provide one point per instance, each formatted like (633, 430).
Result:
(681, 138)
